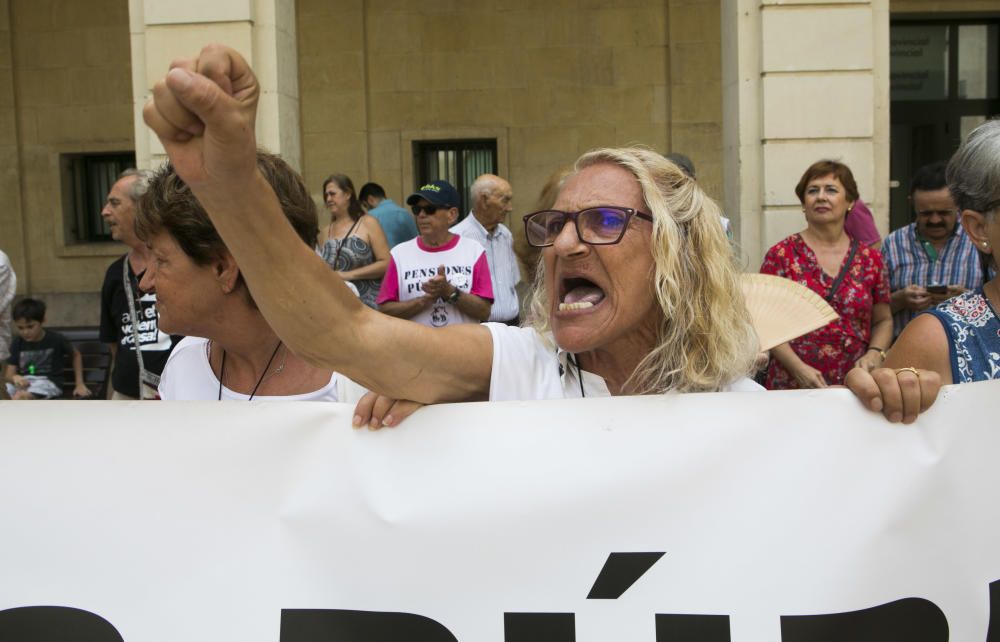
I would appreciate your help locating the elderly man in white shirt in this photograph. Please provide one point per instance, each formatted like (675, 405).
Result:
(491, 202)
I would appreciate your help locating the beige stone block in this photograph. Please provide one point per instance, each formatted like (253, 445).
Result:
(696, 102)
(44, 87)
(531, 107)
(553, 67)
(790, 38)
(395, 71)
(571, 105)
(400, 110)
(79, 16)
(395, 31)
(277, 118)
(47, 50)
(507, 68)
(640, 66)
(386, 149)
(697, 140)
(345, 149)
(347, 75)
(694, 63)
(8, 133)
(80, 125)
(448, 71)
(328, 34)
(192, 12)
(818, 105)
(644, 134)
(331, 111)
(636, 106)
(597, 66)
(5, 51)
(523, 28)
(106, 48)
(89, 86)
(697, 22)
(779, 223)
(623, 27)
(593, 136)
(785, 162)
(378, 6)
(165, 43)
(4, 15)
(548, 146)
(277, 13)
(34, 16)
(470, 108)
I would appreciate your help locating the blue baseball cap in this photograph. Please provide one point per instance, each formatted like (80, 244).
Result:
(439, 193)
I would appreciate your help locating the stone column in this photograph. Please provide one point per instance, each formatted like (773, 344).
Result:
(802, 80)
(262, 30)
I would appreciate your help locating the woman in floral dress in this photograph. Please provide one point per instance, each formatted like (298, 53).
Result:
(848, 274)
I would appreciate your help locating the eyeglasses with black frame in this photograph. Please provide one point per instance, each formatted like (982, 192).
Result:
(429, 210)
(598, 225)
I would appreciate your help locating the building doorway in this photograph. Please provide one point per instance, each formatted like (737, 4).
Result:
(945, 80)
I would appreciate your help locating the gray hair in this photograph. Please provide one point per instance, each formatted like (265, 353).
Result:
(139, 186)
(974, 171)
(485, 184)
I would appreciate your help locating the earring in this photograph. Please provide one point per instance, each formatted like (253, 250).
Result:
(986, 243)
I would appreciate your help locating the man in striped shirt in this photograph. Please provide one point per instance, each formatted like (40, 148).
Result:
(491, 203)
(931, 259)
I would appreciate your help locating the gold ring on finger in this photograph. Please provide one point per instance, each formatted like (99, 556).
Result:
(908, 369)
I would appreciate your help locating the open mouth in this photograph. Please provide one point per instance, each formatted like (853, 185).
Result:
(577, 293)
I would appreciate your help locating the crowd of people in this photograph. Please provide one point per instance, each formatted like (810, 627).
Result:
(635, 289)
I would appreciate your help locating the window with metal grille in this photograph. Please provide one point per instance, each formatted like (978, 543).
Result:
(459, 162)
(86, 181)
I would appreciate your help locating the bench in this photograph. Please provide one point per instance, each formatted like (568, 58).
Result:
(96, 362)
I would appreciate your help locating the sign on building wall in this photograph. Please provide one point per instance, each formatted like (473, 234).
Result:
(751, 517)
(919, 62)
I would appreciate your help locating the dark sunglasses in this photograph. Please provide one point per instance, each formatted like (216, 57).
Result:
(426, 209)
(600, 225)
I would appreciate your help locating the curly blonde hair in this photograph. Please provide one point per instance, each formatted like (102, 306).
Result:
(705, 339)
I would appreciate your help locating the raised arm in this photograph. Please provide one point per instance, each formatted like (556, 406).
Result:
(204, 112)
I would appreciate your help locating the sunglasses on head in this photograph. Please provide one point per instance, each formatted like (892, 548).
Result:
(426, 209)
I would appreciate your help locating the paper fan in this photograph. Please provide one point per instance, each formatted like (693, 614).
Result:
(782, 310)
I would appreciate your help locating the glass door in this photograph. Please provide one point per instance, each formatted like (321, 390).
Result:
(944, 82)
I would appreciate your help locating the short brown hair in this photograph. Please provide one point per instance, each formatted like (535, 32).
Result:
(169, 206)
(823, 168)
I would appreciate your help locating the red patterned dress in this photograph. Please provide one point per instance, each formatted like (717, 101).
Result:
(835, 347)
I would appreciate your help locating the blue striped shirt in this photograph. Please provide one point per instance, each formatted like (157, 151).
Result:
(504, 271)
(910, 264)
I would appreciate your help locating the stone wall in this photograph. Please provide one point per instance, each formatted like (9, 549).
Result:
(68, 63)
(548, 80)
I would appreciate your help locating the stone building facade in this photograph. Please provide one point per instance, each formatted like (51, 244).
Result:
(752, 90)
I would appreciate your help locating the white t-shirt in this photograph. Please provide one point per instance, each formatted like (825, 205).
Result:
(529, 366)
(412, 263)
(189, 377)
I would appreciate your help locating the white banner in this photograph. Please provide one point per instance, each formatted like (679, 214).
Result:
(751, 517)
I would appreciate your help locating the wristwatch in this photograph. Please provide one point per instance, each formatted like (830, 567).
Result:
(453, 297)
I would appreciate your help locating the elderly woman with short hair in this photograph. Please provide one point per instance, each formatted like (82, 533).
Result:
(230, 352)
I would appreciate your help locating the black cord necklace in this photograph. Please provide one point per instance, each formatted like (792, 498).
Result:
(222, 372)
